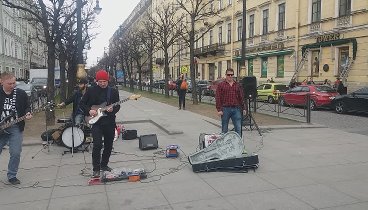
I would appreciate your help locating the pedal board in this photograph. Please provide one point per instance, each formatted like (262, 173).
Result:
(172, 151)
(236, 164)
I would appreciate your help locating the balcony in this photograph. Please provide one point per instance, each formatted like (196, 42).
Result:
(212, 49)
(315, 27)
(250, 40)
(264, 38)
(343, 21)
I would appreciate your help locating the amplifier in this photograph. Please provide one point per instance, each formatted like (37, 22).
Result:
(148, 142)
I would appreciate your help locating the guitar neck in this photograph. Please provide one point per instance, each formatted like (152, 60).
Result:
(7, 125)
(115, 104)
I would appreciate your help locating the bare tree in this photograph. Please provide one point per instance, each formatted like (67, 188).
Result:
(167, 32)
(196, 11)
(51, 16)
(149, 43)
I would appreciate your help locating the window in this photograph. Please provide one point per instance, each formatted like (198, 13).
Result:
(211, 6)
(240, 28)
(264, 65)
(280, 66)
(202, 41)
(344, 7)
(229, 33)
(265, 22)
(281, 16)
(228, 64)
(230, 2)
(219, 69)
(251, 26)
(220, 35)
(316, 11)
(196, 43)
(220, 4)
(211, 37)
(250, 67)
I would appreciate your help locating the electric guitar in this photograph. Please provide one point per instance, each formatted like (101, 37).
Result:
(102, 108)
(4, 125)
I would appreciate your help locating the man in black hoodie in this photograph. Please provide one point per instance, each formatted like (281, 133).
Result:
(14, 108)
(105, 126)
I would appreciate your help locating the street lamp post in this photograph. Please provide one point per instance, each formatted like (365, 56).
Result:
(81, 73)
(242, 62)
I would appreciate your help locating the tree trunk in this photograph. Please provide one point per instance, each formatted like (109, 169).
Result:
(192, 64)
(50, 113)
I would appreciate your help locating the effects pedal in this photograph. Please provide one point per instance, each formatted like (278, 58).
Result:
(172, 151)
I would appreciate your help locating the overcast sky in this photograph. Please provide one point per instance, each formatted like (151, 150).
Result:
(113, 14)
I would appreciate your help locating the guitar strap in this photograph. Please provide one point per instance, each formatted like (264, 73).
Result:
(14, 102)
(108, 96)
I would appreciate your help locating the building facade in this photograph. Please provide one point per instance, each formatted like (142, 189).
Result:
(285, 40)
(20, 50)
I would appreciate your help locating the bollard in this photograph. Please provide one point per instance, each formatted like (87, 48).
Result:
(200, 93)
(308, 108)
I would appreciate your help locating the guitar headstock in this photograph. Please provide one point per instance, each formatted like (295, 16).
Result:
(134, 97)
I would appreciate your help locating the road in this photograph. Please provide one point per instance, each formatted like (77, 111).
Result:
(353, 123)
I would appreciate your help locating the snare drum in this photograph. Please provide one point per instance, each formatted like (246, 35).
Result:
(64, 120)
(69, 133)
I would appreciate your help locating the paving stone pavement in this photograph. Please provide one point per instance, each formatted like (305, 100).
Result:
(301, 167)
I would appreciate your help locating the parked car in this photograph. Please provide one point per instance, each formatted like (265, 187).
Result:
(30, 90)
(270, 91)
(356, 101)
(212, 88)
(321, 96)
(172, 85)
(204, 85)
(160, 84)
(40, 84)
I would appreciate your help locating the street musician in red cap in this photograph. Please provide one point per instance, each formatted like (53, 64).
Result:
(105, 126)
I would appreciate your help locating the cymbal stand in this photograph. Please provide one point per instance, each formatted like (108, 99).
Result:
(49, 107)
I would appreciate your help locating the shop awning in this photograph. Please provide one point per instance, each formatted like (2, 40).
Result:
(266, 54)
(334, 43)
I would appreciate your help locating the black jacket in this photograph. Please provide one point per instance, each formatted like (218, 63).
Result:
(96, 96)
(22, 105)
(75, 99)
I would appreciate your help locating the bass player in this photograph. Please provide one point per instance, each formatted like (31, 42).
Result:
(105, 126)
(14, 106)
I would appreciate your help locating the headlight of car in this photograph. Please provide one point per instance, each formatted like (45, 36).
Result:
(332, 97)
(44, 87)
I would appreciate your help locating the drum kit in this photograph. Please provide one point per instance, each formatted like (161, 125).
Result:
(73, 137)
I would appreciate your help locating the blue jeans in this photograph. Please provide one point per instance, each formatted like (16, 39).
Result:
(78, 119)
(15, 139)
(233, 113)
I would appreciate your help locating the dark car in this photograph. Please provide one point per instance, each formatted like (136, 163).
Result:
(356, 101)
(203, 85)
(212, 88)
(30, 90)
(321, 96)
(40, 84)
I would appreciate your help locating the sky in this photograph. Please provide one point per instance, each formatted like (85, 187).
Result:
(113, 14)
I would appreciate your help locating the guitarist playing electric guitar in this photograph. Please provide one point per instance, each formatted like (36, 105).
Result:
(105, 126)
(12, 100)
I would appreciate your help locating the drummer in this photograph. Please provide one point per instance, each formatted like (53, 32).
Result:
(77, 114)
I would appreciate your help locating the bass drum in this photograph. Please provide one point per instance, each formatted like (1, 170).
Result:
(67, 137)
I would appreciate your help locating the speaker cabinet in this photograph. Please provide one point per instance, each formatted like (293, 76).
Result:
(249, 87)
(148, 142)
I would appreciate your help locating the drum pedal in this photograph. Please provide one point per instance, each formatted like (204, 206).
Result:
(172, 151)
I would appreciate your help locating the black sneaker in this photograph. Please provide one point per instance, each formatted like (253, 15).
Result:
(96, 174)
(106, 168)
(14, 181)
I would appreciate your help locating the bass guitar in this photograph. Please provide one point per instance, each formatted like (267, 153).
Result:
(102, 108)
(4, 125)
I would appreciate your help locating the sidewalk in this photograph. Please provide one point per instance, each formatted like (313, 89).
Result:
(314, 168)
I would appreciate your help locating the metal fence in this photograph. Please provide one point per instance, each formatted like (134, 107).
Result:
(298, 113)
